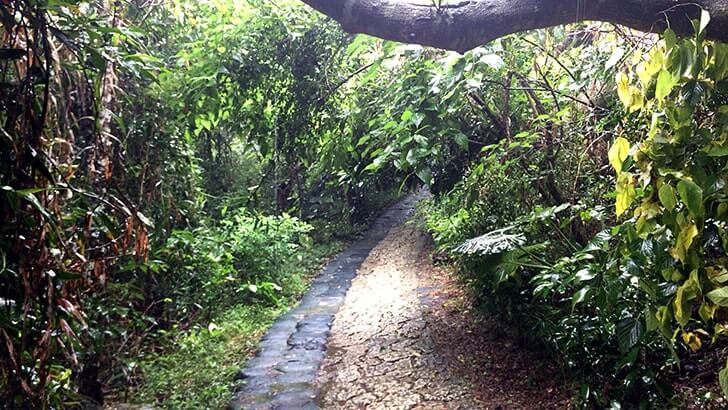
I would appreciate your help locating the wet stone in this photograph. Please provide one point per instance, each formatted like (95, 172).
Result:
(293, 404)
(296, 366)
(304, 355)
(252, 394)
(294, 398)
(262, 362)
(302, 377)
(315, 323)
(309, 341)
(251, 372)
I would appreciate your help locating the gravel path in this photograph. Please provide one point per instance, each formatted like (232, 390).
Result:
(381, 353)
(282, 374)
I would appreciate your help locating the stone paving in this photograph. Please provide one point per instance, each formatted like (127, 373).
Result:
(282, 375)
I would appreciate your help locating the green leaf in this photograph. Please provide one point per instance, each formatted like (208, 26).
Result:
(651, 319)
(717, 150)
(667, 197)
(719, 296)
(629, 332)
(670, 39)
(579, 297)
(618, 153)
(493, 243)
(363, 140)
(146, 221)
(425, 175)
(720, 50)
(462, 140)
(406, 115)
(64, 275)
(97, 59)
(30, 197)
(723, 380)
(704, 21)
(665, 83)
(411, 158)
(692, 196)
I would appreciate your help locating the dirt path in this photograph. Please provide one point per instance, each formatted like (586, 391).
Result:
(381, 353)
(382, 328)
(407, 337)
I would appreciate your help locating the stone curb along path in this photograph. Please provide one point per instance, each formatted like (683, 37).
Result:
(283, 372)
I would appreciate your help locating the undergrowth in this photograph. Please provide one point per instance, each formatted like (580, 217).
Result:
(198, 366)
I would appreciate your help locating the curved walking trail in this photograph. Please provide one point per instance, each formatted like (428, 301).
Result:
(381, 328)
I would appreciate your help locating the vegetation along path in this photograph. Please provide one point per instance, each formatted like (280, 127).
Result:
(401, 337)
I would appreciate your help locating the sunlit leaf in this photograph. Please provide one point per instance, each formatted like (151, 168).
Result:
(618, 153)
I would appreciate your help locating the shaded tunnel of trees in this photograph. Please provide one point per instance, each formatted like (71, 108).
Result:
(168, 167)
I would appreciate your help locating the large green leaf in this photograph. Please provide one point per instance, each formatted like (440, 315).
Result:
(665, 83)
(692, 196)
(667, 197)
(723, 380)
(719, 296)
(495, 242)
(629, 332)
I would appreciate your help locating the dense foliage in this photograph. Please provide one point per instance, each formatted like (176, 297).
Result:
(154, 158)
(173, 172)
(628, 299)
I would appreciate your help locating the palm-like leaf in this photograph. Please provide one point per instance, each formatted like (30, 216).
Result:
(492, 243)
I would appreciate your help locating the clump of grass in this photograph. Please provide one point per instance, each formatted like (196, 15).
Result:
(199, 371)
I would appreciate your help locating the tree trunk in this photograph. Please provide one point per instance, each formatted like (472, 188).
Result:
(462, 25)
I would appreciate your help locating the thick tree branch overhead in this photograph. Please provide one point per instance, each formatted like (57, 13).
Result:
(462, 25)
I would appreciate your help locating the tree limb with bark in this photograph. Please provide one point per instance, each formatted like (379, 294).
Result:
(462, 25)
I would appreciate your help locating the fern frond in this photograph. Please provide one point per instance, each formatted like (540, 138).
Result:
(492, 243)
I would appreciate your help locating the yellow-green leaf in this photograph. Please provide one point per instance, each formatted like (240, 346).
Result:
(625, 192)
(684, 241)
(623, 90)
(706, 311)
(667, 197)
(618, 153)
(636, 100)
(723, 380)
(719, 296)
(685, 293)
(692, 341)
(665, 83)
